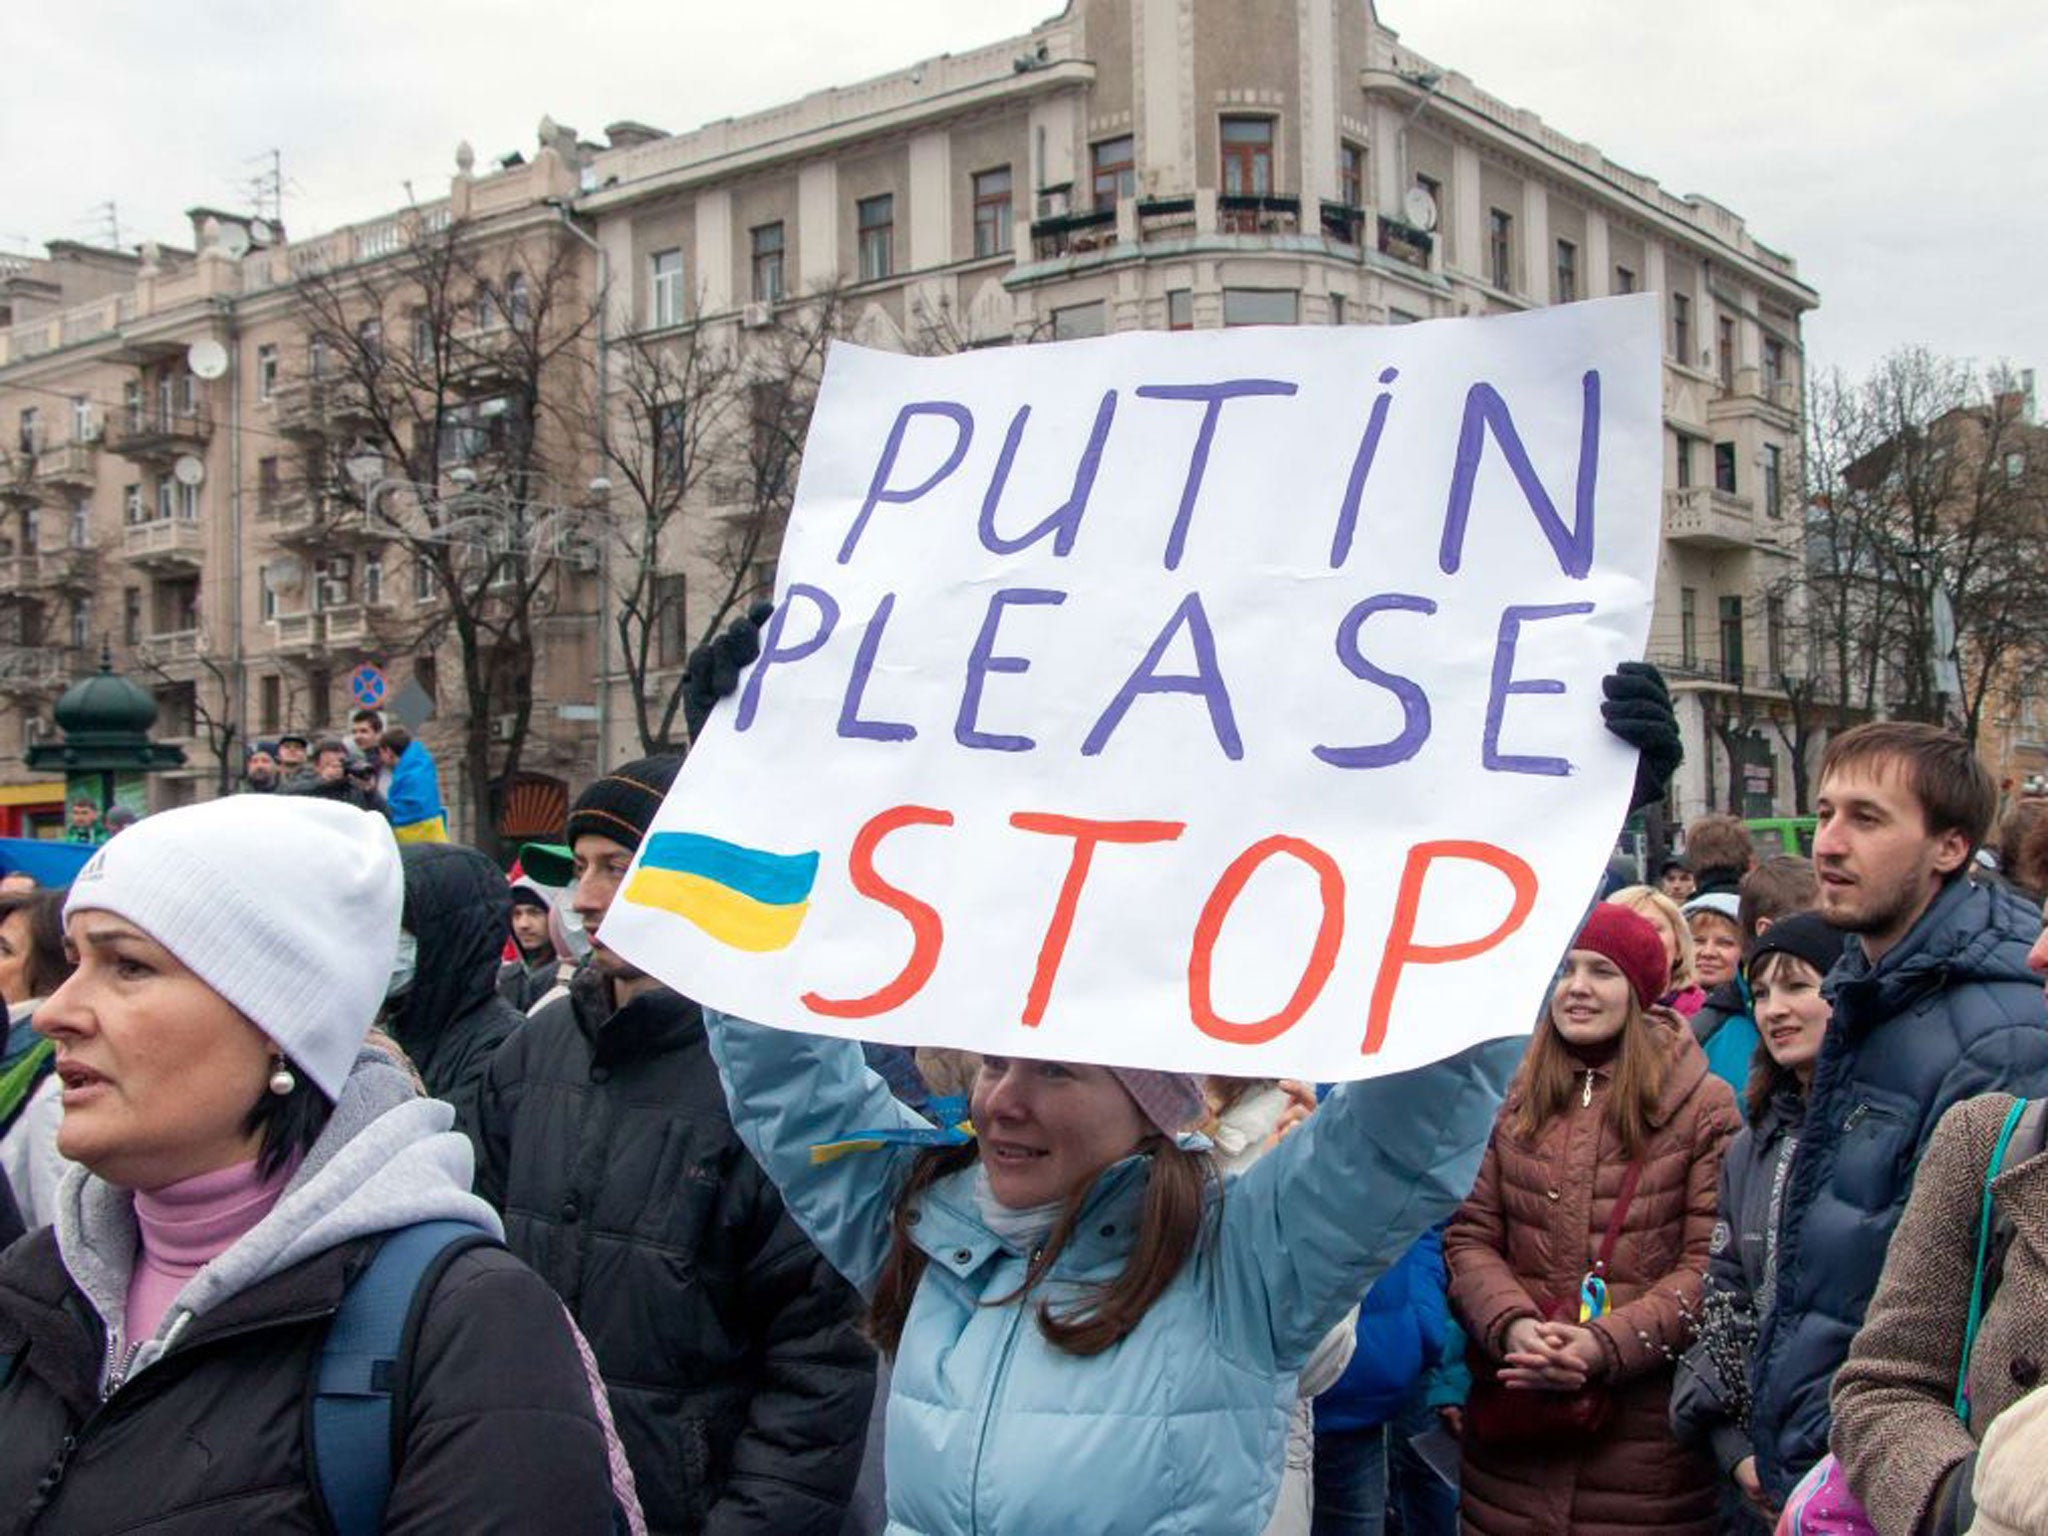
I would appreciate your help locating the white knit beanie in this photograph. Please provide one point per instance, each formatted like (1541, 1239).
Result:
(2011, 1488)
(286, 905)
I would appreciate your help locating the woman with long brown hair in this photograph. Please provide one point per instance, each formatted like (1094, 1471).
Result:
(1577, 1262)
(1090, 1332)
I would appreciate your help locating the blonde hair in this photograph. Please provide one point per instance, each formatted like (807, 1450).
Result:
(1648, 901)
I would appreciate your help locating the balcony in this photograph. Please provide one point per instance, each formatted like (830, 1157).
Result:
(300, 635)
(356, 626)
(1072, 234)
(69, 569)
(169, 646)
(1404, 242)
(18, 479)
(69, 466)
(1342, 222)
(159, 434)
(314, 519)
(35, 671)
(17, 573)
(169, 541)
(1259, 215)
(1704, 518)
(320, 407)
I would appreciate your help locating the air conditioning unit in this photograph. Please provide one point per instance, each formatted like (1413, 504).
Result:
(754, 317)
(334, 592)
(502, 726)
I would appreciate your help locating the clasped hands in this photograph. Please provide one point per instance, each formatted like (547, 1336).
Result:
(1550, 1357)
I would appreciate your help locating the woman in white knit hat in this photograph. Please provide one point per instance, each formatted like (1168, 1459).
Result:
(243, 1159)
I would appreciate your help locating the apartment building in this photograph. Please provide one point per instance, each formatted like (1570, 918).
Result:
(1128, 164)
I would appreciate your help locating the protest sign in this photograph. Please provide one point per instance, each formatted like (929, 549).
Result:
(1225, 701)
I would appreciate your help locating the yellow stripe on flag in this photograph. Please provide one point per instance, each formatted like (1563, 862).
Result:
(720, 911)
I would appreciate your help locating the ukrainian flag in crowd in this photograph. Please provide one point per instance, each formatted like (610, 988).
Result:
(745, 897)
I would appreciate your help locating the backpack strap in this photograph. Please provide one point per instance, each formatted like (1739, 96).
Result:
(354, 1433)
(2009, 1149)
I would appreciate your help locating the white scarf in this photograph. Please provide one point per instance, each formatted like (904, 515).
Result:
(1025, 1229)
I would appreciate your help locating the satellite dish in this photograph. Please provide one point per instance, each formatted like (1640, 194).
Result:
(189, 470)
(207, 358)
(260, 232)
(234, 240)
(1420, 208)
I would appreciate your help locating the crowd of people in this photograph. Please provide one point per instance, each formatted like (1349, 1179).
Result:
(411, 1205)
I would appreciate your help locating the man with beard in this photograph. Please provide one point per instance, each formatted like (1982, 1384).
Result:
(1933, 1003)
(738, 1377)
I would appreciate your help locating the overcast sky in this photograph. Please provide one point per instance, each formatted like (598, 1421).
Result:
(1893, 149)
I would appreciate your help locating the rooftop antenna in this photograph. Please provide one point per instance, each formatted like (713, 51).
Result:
(266, 187)
(103, 220)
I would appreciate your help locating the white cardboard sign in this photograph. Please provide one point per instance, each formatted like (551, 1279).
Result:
(1223, 702)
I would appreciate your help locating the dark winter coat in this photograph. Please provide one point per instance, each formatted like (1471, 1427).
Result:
(213, 1437)
(1908, 1457)
(1712, 1392)
(451, 1021)
(1402, 1324)
(1948, 1013)
(520, 985)
(737, 1376)
(1529, 1232)
(344, 790)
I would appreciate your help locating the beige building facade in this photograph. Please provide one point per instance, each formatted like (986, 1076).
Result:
(1155, 164)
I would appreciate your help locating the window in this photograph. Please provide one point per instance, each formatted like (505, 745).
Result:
(370, 341)
(1260, 306)
(422, 339)
(1336, 309)
(81, 622)
(1350, 175)
(664, 289)
(81, 524)
(1688, 627)
(1624, 279)
(316, 357)
(766, 240)
(1567, 286)
(1684, 461)
(671, 444)
(1774, 635)
(271, 708)
(188, 502)
(1500, 234)
(131, 505)
(1078, 320)
(266, 370)
(424, 587)
(1774, 468)
(875, 219)
(1180, 310)
(1731, 639)
(1247, 157)
(81, 418)
(518, 299)
(992, 211)
(1681, 328)
(131, 404)
(319, 693)
(166, 499)
(188, 394)
(1724, 467)
(266, 593)
(30, 440)
(671, 621)
(1724, 349)
(1774, 364)
(1113, 170)
(484, 313)
(373, 579)
(131, 615)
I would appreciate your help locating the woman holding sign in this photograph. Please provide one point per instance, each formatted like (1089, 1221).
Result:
(1577, 1264)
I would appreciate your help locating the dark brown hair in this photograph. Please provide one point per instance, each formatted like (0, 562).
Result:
(397, 738)
(1549, 1078)
(1784, 883)
(1176, 1202)
(2023, 846)
(1718, 842)
(48, 966)
(1955, 791)
(1766, 1078)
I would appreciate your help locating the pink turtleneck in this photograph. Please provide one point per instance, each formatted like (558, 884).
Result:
(186, 1226)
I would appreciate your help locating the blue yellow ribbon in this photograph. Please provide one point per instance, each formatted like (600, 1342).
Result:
(951, 1128)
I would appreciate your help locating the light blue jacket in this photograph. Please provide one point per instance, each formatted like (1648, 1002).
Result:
(1179, 1430)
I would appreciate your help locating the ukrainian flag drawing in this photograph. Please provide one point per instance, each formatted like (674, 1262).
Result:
(745, 897)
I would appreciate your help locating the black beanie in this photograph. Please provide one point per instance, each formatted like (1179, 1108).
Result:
(621, 805)
(1806, 935)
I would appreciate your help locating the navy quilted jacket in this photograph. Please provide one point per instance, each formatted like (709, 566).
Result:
(1950, 1012)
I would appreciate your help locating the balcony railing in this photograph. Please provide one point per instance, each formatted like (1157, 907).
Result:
(317, 407)
(72, 566)
(168, 541)
(1709, 519)
(159, 433)
(67, 464)
(38, 668)
(300, 634)
(1259, 215)
(1404, 242)
(1071, 234)
(171, 645)
(1342, 222)
(17, 572)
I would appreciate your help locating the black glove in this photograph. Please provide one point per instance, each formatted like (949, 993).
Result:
(714, 668)
(1638, 710)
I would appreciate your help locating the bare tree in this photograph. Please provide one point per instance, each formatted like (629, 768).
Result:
(213, 719)
(457, 363)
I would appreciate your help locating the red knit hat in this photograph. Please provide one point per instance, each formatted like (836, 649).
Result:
(1632, 943)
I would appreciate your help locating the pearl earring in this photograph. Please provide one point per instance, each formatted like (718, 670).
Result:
(281, 1081)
